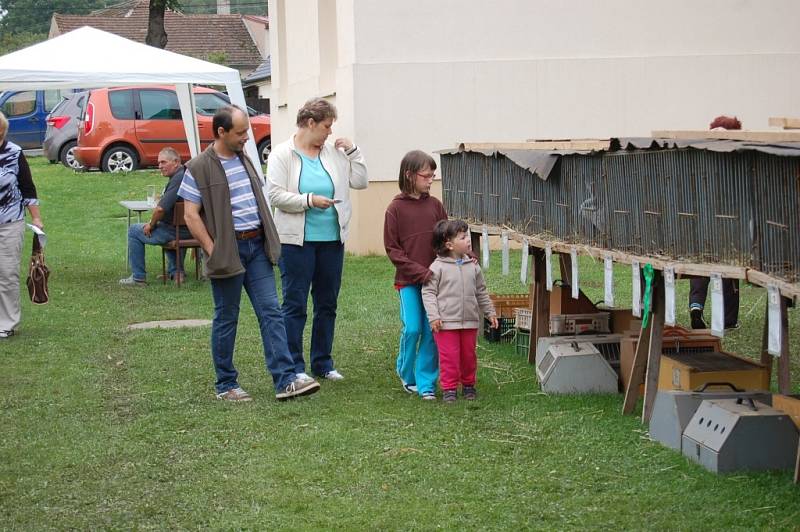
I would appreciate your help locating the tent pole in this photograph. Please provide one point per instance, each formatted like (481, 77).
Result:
(189, 114)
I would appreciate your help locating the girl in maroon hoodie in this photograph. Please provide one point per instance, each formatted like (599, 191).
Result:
(408, 237)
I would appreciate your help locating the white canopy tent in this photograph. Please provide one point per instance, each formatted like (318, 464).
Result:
(88, 57)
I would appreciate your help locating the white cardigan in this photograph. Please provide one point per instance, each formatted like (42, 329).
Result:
(283, 182)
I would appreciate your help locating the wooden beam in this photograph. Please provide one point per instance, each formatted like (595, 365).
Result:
(533, 299)
(797, 466)
(784, 374)
(475, 238)
(638, 366)
(705, 270)
(540, 320)
(565, 267)
(792, 291)
(785, 123)
(766, 358)
(725, 134)
(654, 348)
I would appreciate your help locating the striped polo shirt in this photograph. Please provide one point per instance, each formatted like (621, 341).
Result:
(243, 202)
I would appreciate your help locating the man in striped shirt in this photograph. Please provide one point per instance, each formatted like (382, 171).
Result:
(226, 211)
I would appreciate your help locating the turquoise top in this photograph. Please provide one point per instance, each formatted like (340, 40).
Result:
(322, 225)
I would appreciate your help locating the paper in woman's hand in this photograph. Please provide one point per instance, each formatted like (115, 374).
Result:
(40, 233)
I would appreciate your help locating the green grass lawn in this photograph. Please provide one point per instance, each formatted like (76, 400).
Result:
(104, 428)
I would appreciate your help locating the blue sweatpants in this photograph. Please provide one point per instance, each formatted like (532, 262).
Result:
(418, 359)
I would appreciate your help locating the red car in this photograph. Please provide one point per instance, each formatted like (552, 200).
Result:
(124, 128)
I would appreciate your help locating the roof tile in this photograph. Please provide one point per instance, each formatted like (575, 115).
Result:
(194, 35)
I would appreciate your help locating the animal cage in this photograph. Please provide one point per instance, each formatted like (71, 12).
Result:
(730, 202)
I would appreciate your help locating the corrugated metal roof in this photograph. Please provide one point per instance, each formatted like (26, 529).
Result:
(541, 162)
(734, 203)
(262, 72)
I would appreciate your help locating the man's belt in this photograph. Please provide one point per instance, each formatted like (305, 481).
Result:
(247, 235)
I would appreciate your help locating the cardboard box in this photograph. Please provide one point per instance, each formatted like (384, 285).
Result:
(621, 319)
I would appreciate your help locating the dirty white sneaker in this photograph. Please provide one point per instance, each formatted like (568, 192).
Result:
(130, 281)
(333, 375)
(297, 388)
(235, 395)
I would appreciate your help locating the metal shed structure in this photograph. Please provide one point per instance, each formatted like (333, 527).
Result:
(694, 202)
(716, 202)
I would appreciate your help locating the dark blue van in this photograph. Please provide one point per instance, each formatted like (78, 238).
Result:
(27, 113)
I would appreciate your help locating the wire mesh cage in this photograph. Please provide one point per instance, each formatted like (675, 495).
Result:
(739, 207)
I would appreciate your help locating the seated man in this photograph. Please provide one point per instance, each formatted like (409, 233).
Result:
(159, 230)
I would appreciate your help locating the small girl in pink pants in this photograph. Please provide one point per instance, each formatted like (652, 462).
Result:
(454, 297)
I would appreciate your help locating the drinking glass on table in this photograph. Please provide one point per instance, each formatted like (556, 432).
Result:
(151, 195)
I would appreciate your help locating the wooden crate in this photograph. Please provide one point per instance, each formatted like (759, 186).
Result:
(523, 318)
(789, 404)
(622, 319)
(675, 340)
(523, 343)
(680, 340)
(689, 371)
(504, 304)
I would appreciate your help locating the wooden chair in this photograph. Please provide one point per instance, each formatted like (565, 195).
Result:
(178, 244)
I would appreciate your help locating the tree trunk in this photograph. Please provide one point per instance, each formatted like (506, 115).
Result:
(156, 34)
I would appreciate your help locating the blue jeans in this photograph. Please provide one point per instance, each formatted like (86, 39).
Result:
(161, 234)
(316, 266)
(418, 359)
(259, 282)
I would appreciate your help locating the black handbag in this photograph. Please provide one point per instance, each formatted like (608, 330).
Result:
(38, 274)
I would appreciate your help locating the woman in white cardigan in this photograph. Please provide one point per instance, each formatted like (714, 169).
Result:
(309, 184)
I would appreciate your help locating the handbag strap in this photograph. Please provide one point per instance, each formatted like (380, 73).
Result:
(37, 247)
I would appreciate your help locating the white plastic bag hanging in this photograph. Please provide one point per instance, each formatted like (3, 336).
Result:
(608, 281)
(548, 266)
(523, 271)
(717, 306)
(504, 242)
(669, 295)
(485, 248)
(636, 290)
(573, 253)
(774, 330)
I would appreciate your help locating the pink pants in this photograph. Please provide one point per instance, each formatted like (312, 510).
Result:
(457, 359)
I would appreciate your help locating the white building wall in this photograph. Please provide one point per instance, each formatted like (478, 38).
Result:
(259, 31)
(428, 74)
(296, 69)
(423, 31)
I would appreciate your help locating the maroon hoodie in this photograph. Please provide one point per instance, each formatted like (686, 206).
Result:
(408, 236)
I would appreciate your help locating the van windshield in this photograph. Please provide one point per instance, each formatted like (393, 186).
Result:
(208, 103)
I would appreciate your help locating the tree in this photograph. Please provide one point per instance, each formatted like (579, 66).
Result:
(156, 34)
(11, 42)
(33, 16)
